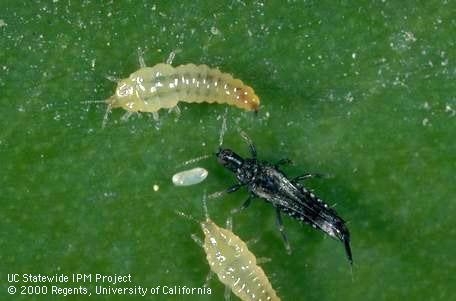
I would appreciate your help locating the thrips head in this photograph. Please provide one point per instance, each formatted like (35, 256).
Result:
(229, 159)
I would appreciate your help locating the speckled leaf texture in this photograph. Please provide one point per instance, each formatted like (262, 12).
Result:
(363, 92)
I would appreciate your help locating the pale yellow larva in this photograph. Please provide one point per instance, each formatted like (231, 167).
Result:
(150, 89)
(235, 265)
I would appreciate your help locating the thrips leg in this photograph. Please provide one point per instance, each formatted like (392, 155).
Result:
(229, 190)
(348, 251)
(245, 205)
(197, 240)
(282, 231)
(284, 161)
(234, 188)
(307, 176)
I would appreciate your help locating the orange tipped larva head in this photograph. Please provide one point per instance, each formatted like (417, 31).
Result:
(254, 102)
(248, 100)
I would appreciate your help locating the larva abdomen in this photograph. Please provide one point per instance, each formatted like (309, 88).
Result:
(234, 264)
(150, 89)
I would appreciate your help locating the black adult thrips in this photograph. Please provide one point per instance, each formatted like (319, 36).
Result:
(265, 180)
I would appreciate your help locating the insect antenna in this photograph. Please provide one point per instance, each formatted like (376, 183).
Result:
(244, 136)
(187, 216)
(249, 142)
(106, 115)
(223, 128)
(194, 160)
(205, 211)
(195, 237)
(93, 101)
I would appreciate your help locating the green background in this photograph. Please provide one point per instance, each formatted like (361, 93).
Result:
(363, 91)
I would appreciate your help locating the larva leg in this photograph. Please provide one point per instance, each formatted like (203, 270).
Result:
(229, 223)
(112, 78)
(176, 110)
(142, 63)
(245, 205)
(208, 278)
(171, 56)
(282, 231)
(227, 293)
(126, 116)
(252, 148)
(252, 241)
(263, 260)
(155, 116)
(106, 115)
(197, 240)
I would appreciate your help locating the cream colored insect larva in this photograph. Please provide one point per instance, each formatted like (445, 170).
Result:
(190, 177)
(162, 86)
(235, 265)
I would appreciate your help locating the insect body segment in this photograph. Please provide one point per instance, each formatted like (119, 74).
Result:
(150, 89)
(235, 265)
(266, 181)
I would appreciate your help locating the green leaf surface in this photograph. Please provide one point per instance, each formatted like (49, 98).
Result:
(362, 91)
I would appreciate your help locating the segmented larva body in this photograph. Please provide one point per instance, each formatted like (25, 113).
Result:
(162, 86)
(235, 266)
